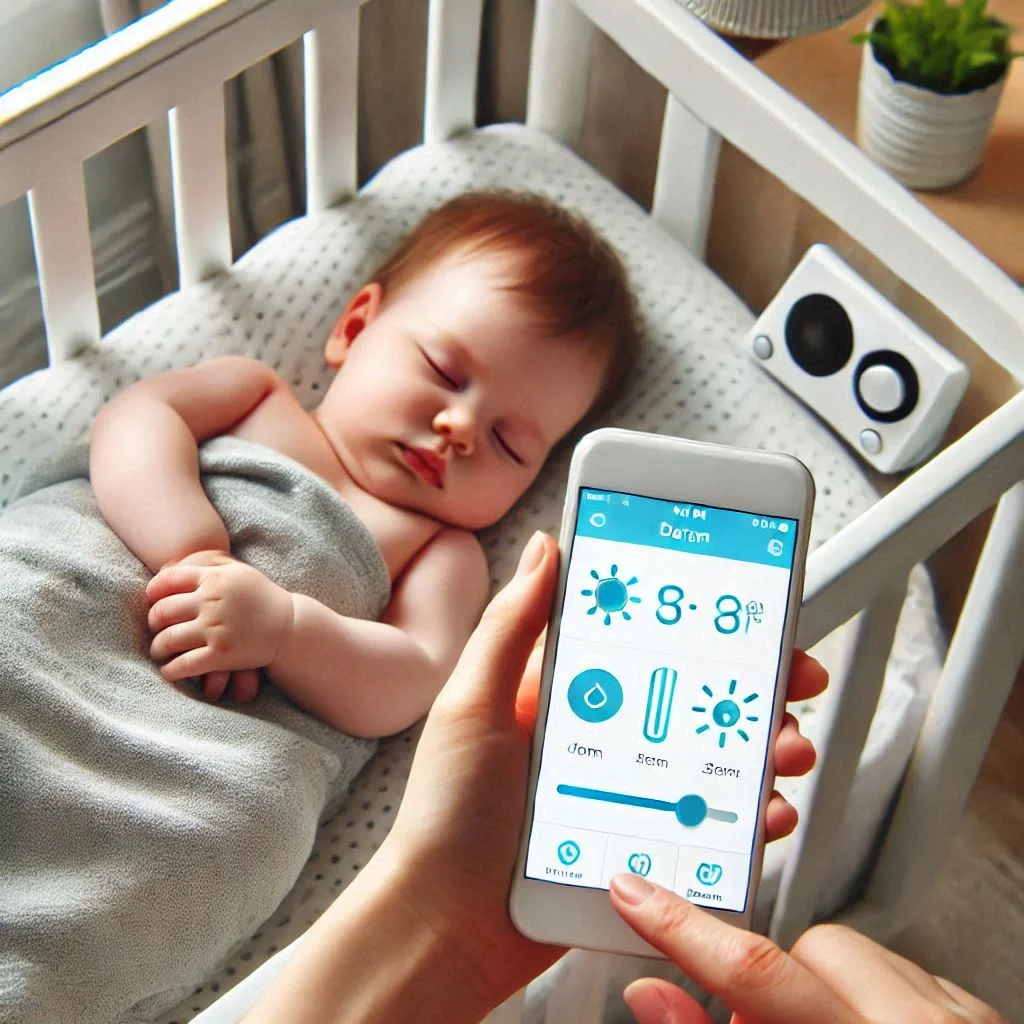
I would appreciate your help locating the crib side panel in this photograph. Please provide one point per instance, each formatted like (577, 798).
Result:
(50, 125)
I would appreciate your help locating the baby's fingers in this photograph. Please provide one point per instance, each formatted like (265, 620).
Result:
(175, 579)
(197, 662)
(246, 684)
(214, 684)
(169, 611)
(183, 636)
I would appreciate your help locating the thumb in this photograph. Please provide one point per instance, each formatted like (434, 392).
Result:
(487, 676)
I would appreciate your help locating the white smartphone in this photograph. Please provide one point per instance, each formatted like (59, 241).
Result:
(664, 682)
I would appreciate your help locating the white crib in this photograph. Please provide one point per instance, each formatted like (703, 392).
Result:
(175, 61)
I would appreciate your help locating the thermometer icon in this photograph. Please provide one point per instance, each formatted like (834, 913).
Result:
(659, 704)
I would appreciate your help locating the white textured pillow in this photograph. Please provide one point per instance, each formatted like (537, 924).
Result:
(278, 304)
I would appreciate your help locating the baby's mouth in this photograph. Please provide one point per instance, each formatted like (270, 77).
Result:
(426, 464)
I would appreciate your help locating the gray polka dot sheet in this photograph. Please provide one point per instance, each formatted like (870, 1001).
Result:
(278, 304)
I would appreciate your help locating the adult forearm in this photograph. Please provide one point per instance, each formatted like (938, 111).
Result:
(144, 467)
(365, 678)
(372, 959)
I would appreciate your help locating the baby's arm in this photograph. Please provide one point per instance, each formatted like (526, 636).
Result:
(144, 461)
(376, 678)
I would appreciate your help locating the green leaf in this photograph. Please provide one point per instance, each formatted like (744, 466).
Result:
(988, 39)
(967, 63)
(939, 45)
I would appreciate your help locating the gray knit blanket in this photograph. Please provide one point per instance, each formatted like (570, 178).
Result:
(144, 831)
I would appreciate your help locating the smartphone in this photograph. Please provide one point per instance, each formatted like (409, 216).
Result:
(663, 684)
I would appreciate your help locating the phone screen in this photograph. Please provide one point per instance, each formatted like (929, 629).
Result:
(661, 699)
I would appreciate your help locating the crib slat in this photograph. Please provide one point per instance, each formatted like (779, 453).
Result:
(984, 656)
(63, 248)
(199, 169)
(685, 184)
(453, 54)
(331, 53)
(851, 708)
(560, 55)
(578, 994)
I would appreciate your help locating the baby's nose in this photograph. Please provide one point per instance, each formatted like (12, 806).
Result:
(458, 428)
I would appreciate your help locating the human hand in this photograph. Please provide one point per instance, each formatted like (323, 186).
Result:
(216, 617)
(456, 834)
(833, 973)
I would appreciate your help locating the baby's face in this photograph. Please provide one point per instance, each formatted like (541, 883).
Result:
(448, 398)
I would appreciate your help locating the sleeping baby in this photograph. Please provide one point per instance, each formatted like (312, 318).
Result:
(319, 566)
(497, 326)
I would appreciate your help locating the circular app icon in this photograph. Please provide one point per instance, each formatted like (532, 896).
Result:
(595, 695)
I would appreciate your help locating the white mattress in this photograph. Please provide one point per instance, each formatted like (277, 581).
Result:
(279, 302)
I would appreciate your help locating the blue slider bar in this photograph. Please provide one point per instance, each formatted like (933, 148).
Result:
(690, 810)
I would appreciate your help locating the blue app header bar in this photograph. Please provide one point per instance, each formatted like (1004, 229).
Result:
(683, 526)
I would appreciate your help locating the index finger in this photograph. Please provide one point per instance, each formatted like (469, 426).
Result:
(748, 972)
(807, 676)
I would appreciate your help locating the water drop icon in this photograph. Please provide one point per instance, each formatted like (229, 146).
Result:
(595, 695)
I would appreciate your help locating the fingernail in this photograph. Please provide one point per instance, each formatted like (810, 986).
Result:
(532, 556)
(631, 888)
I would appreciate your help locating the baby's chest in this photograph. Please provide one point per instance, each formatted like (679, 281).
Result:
(280, 422)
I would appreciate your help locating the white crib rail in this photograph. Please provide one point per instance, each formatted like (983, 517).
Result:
(199, 173)
(983, 659)
(331, 53)
(453, 57)
(67, 282)
(563, 44)
(684, 187)
(187, 49)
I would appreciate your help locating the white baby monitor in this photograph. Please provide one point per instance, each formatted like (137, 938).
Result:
(884, 385)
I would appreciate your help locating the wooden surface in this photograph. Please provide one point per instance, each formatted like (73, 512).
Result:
(988, 210)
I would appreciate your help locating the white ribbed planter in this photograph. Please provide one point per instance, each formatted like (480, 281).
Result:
(924, 139)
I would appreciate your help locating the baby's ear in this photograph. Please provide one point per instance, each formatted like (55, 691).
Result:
(360, 312)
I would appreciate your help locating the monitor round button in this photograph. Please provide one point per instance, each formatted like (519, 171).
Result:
(882, 388)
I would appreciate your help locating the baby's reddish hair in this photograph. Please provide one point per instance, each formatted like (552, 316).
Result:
(568, 276)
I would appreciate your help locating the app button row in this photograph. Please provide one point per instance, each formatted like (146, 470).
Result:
(575, 856)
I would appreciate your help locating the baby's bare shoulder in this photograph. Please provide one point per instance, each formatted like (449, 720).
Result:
(458, 549)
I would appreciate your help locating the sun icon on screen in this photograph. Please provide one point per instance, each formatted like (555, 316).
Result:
(726, 713)
(611, 595)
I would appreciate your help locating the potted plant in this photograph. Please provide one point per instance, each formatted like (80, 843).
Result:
(930, 82)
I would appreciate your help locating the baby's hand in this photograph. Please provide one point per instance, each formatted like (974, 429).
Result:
(218, 616)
